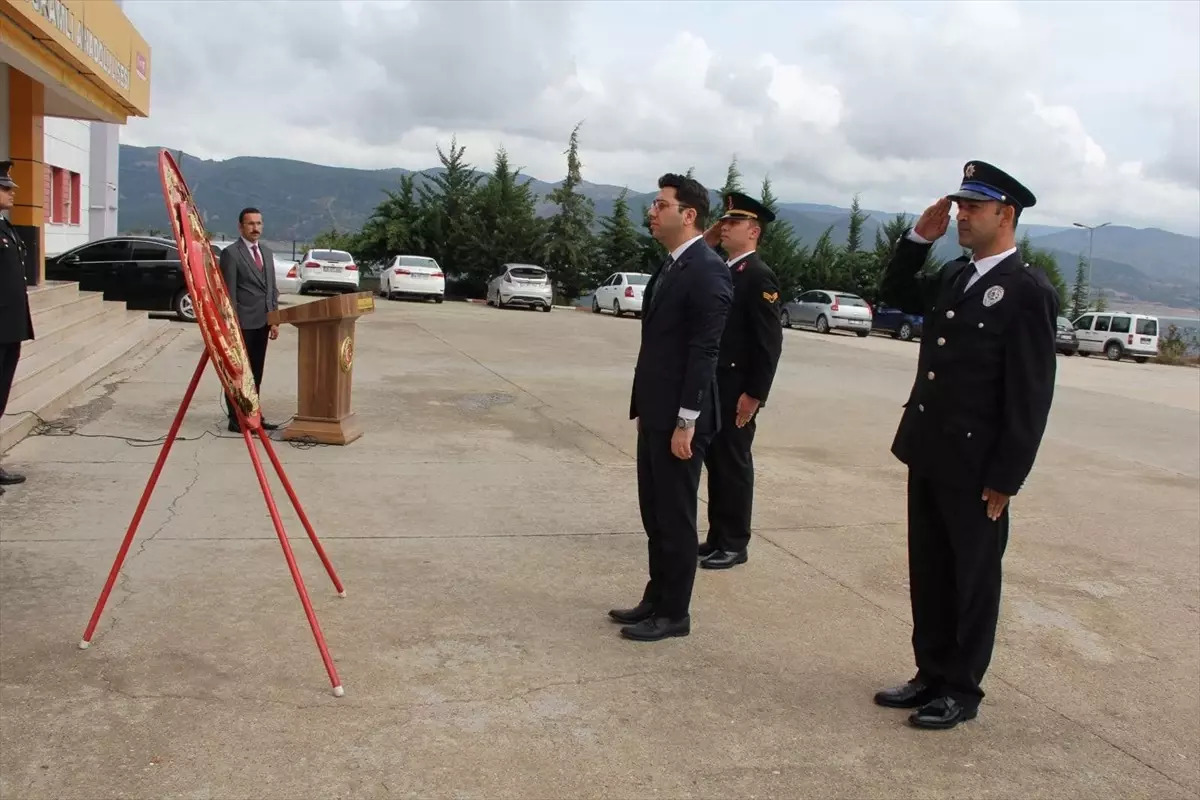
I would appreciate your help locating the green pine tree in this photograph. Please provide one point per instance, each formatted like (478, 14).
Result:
(568, 249)
(1079, 294)
(619, 245)
(780, 248)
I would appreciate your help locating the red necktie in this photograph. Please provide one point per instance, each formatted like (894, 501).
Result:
(257, 256)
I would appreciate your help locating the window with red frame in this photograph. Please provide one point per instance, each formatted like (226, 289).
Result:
(63, 198)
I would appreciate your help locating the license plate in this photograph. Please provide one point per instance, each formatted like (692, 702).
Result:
(1145, 340)
(327, 268)
(419, 275)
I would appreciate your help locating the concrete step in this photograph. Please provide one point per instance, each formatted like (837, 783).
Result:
(51, 293)
(53, 324)
(82, 340)
(62, 386)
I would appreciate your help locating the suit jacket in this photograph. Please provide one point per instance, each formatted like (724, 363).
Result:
(16, 322)
(252, 291)
(684, 312)
(753, 337)
(985, 371)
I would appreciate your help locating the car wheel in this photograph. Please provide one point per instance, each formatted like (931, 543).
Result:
(822, 324)
(617, 308)
(1113, 351)
(1141, 359)
(438, 298)
(863, 334)
(184, 308)
(905, 332)
(785, 319)
(595, 305)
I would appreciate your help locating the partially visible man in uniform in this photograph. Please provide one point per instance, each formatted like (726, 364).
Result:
(249, 271)
(970, 431)
(750, 349)
(16, 323)
(674, 401)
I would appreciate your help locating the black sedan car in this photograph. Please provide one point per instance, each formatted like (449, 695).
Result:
(142, 271)
(1066, 340)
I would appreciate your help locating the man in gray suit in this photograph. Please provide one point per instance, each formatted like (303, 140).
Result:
(249, 270)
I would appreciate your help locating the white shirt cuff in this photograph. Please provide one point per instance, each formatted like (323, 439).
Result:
(916, 237)
(687, 413)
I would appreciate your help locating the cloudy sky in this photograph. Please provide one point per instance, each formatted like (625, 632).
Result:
(1094, 105)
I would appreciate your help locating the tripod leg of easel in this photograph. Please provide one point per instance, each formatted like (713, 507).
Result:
(291, 493)
(338, 691)
(141, 507)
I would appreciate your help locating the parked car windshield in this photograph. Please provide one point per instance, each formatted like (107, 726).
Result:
(417, 261)
(850, 300)
(637, 280)
(1147, 327)
(1065, 324)
(527, 272)
(331, 255)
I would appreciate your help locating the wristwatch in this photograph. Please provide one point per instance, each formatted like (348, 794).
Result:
(684, 424)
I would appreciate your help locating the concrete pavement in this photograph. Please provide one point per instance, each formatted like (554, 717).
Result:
(488, 519)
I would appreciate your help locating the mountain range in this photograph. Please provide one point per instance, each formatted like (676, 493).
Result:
(300, 200)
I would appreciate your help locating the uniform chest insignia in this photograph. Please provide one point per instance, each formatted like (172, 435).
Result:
(993, 295)
(740, 267)
(770, 297)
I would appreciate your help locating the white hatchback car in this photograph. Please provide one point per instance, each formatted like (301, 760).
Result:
(521, 285)
(413, 276)
(328, 270)
(287, 276)
(621, 292)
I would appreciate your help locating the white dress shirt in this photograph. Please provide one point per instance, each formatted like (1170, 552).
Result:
(686, 413)
(982, 265)
(250, 247)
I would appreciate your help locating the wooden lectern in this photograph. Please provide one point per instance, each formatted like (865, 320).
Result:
(325, 366)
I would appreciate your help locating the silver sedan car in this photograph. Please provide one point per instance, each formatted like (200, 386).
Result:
(828, 310)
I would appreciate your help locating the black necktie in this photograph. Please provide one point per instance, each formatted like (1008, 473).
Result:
(668, 262)
(960, 284)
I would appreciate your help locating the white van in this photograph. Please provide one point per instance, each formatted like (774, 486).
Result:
(1117, 335)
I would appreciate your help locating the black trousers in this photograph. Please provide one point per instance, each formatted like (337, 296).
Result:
(954, 554)
(10, 354)
(730, 471)
(667, 496)
(256, 350)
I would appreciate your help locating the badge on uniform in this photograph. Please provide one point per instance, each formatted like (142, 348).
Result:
(770, 297)
(993, 295)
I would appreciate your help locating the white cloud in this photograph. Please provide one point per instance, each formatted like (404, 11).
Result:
(885, 99)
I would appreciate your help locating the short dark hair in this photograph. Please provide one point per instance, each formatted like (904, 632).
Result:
(690, 192)
(242, 214)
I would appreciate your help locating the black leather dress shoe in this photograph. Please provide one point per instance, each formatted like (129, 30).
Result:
(652, 629)
(10, 478)
(940, 714)
(632, 616)
(724, 559)
(706, 550)
(909, 695)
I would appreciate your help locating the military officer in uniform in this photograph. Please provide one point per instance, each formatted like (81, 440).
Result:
(16, 324)
(750, 348)
(970, 431)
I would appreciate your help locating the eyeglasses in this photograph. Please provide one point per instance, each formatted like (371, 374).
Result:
(661, 205)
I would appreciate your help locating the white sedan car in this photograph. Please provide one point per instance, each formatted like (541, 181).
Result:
(413, 276)
(287, 276)
(328, 270)
(621, 293)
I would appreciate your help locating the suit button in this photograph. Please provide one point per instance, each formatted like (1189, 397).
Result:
(920, 407)
(968, 434)
(941, 341)
(949, 315)
(733, 363)
(929, 374)
(981, 324)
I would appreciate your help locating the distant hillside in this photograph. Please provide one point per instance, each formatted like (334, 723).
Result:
(300, 200)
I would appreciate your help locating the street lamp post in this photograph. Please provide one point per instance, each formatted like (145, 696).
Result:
(1091, 229)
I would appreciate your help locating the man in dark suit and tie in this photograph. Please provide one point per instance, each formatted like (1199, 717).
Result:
(675, 403)
(249, 271)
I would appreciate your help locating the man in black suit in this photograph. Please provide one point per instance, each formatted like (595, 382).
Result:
(16, 323)
(674, 401)
(750, 350)
(249, 271)
(970, 431)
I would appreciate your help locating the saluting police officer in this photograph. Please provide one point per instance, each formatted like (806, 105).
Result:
(969, 432)
(16, 323)
(750, 348)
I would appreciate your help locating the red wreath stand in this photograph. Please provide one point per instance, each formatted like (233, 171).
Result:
(227, 352)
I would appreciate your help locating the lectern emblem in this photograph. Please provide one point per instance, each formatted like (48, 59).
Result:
(346, 353)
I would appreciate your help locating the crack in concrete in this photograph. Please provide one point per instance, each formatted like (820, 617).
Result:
(123, 576)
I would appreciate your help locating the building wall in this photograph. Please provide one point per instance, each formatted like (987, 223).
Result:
(66, 196)
(103, 180)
